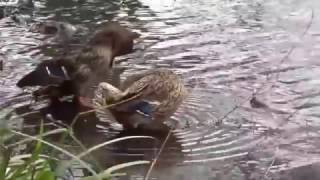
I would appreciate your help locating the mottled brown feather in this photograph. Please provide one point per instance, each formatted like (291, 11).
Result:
(160, 85)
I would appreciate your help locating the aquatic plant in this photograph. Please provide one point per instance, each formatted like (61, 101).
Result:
(40, 165)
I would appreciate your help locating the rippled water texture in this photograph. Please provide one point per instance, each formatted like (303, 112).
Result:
(226, 51)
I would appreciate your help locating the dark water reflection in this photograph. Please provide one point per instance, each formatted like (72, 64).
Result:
(225, 50)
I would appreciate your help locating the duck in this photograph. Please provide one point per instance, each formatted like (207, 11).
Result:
(19, 11)
(25, 3)
(143, 100)
(76, 74)
(53, 27)
(61, 31)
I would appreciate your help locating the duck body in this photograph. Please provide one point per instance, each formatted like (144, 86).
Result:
(76, 74)
(61, 31)
(52, 27)
(19, 11)
(74, 71)
(145, 99)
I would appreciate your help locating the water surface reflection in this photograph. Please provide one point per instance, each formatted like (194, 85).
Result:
(225, 50)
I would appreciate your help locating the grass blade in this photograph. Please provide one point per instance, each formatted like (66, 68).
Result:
(5, 158)
(81, 162)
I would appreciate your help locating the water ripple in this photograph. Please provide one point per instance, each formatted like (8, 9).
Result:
(224, 50)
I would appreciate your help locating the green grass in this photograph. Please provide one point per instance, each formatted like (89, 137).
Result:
(38, 165)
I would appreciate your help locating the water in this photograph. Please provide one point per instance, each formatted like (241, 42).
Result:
(226, 51)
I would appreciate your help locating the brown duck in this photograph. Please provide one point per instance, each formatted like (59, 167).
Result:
(77, 74)
(144, 100)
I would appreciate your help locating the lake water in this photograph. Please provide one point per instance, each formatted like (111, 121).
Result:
(227, 51)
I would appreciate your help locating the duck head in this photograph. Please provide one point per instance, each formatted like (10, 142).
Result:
(62, 31)
(25, 3)
(49, 27)
(118, 37)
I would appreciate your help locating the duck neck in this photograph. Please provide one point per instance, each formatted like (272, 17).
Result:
(106, 55)
(111, 93)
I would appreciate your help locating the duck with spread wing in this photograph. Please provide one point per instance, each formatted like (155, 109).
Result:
(78, 73)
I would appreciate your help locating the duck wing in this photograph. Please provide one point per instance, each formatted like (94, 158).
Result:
(132, 102)
(137, 104)
(134, 78)
(57, 70)
(135, 110)
(50, 72)
(143, 94)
